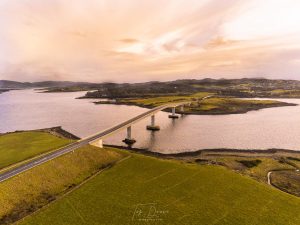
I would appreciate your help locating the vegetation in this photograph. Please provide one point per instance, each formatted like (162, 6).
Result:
(210, 105)
(7, 84)
(250, 163)
(293, 158)
(256, 87)
(288, 181)
(66, 89)
(123, 193)
(258, 172)
(3, 90)
(29, 191)
(16, 147)
(173, 193)
(232, 87)
(219, 105)
(157, 101)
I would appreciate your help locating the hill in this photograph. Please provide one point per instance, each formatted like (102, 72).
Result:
(254, 87)
(7, 84)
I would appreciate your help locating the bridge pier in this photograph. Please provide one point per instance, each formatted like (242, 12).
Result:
(181, 111)
(153, 127)
(173, 115)
(129, 140)
(97, 143)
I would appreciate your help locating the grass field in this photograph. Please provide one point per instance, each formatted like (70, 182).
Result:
(258, 172)
(157, 101)
(212, 105)
(146, 190)
(35, 188)
(288, 181)
(16, 147)
(219, 105)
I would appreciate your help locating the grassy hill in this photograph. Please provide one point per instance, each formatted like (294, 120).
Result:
(35, 188)
(146, 190)
(16, 147)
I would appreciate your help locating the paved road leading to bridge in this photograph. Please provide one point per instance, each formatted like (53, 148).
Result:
(71, 147)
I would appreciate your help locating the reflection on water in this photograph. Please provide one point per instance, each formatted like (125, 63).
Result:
(268, 128)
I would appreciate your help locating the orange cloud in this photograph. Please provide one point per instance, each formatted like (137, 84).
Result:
(150, 39)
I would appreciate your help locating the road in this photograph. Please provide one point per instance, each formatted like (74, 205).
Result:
(269, 177)
(71, 147)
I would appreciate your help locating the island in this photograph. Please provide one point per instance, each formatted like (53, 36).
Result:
(212, 105)
(207, 96)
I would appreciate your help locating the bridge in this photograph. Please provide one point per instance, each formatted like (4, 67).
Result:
(96, 139)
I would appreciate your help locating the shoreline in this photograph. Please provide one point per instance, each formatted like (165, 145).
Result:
(56, 131)
(4, 90)
(60, 132)
(214, 152)
(280, 104)
(237, 160)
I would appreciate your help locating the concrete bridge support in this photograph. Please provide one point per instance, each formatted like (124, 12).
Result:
(173, 115)
(97, 143)
(153, 127)
(181, 111)
(129, 140)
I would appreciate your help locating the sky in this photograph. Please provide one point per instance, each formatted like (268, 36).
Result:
(142, 40)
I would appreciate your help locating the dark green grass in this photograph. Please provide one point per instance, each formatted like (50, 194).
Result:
(250, 163)
(293, 158)
(183, 193)
(16, 147)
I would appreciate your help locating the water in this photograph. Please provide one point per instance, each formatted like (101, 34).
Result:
(263, 129)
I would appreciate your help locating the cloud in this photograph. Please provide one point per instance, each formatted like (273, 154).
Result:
(148, 40)
(129, 40)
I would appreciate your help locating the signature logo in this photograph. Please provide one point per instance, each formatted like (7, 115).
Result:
(148, 212)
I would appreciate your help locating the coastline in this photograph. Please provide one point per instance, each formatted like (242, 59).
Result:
(60, 132)
(56, 131)
(220, 112)
(3, 91)
(243, 161)
(213, 152)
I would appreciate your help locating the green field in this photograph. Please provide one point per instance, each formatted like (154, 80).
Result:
(146, 190)
(28, 191)
(288, 181)
(16, 147)
(220, 105)
(157, 101)
(211, 105)
(258, 172)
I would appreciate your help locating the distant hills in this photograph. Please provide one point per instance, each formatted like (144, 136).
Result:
(8, 84)
(245, 87)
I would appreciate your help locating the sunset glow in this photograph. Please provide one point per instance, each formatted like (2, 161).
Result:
(119, 40)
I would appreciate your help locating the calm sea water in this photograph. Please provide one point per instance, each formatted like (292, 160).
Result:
(263, 129)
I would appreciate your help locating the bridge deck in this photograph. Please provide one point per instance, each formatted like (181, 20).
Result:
(71, 147)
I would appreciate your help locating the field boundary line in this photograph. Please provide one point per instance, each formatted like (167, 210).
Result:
(74, 188)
